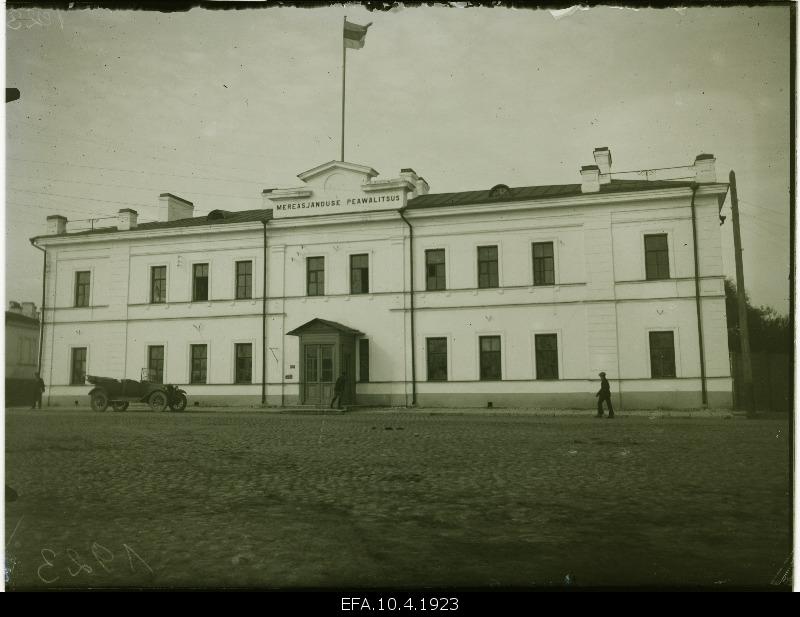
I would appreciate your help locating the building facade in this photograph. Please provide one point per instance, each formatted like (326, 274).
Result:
(498, 297)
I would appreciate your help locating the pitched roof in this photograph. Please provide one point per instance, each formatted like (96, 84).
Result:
(21, 319)
(526, 193)
(333, 325)
(215, 217)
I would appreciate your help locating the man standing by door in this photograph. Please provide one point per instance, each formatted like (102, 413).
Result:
(38, 389)
(338, 390)
(604, 394)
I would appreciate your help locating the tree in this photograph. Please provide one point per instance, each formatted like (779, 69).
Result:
(770, 331)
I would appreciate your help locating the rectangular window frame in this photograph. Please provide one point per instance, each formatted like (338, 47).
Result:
(236, 377)
(72, 380)
(148, 358)
(318, 286)
(195, 297)
(486, 335)
(204, 368)
(491, 280)
(536, 357)
(363, 274)
(243, 281)
(438, 275)
(83, 291)
(363, 363)
(446, 354)
(658, 274)
(162, 299)
(675, 353)
(553, 245)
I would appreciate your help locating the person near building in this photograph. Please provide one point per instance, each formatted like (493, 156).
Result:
(338, 390)
(38, 389)
(604, 394)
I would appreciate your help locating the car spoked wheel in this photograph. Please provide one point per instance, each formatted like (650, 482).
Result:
(158, 401)
(178, 403)
(99, 401)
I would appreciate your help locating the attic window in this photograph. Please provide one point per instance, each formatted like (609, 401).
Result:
(217, 215)
(500, 190)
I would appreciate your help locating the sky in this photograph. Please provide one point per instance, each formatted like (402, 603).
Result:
(117, 107)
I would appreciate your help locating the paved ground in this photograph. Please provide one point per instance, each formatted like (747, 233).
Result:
(393, 498)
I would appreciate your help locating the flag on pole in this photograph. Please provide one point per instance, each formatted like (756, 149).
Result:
(354, 35)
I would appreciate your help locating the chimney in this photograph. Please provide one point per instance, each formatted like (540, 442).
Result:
(15, 307)
(56, 225)
(602, 156)
(176, 208)
(705, 168)
(590, 179)
(422, 186)
(127, 219)
(29, 310)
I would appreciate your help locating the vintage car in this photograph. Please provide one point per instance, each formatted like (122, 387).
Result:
(120, 393)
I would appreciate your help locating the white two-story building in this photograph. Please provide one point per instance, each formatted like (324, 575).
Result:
(492, 297)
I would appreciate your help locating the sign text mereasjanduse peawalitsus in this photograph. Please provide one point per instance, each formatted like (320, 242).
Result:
(332, 203)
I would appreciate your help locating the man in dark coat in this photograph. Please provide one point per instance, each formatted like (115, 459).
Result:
(338, 390)
(38, 388)
(604, 394)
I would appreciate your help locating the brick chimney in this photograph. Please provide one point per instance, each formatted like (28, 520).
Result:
(590, 179)
(127, 219)
(175, 207)
(602, 157)
(56, 225)
(29, 310)
(705, 168)
(422, 186)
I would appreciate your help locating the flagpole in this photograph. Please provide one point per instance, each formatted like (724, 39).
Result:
(344, 72)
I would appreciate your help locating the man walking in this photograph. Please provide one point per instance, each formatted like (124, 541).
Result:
(38, 388)
(604, 394)
(338, 390)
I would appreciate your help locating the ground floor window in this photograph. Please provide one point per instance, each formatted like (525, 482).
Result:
(546, 356)
(199, 363)
(436, 349)
(490, 363)
(363, 359)
(244, 363)
(155, 363)
(662, 354)
(78, 366)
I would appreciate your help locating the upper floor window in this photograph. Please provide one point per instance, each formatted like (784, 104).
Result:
(200, 282)
(544, 269)
(656, 257)
(662, 354)
(490, 369)
(315, 276)
(546, 356)
(487, 267)
(359, 274)
(158, 284)
(77, 374)
(434, 270)
(82, 285)
(244, 280)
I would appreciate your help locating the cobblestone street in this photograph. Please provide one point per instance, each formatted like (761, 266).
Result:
(387, 498)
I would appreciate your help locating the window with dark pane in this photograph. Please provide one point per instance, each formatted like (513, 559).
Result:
(155, 363)
(490, 369)
(434, 270)
(437, 358)
(656, 257)
(363, 359)
(244, 280)
(158, 284)
(544, 268)
(315, 276)
(78, 368)
(82, 286)
(359, 274)
(200, 282)
(546, 356)
(244, 363)
(662, 354)
(487, 267)
(199, 363)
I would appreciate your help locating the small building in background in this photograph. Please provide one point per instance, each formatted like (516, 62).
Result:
(22, 351)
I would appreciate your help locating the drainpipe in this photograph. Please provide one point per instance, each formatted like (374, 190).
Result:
(413, 315)
(41, 319)
(697, 302)
(264, 319)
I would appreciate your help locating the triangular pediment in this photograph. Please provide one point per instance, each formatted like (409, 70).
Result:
(362, 172)
(318, 325)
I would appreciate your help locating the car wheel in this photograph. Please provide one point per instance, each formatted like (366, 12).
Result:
(99, 401)
(179, 404)
(120, 406)
(158, 401)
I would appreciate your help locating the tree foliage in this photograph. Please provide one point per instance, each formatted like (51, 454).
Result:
(769, 330)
